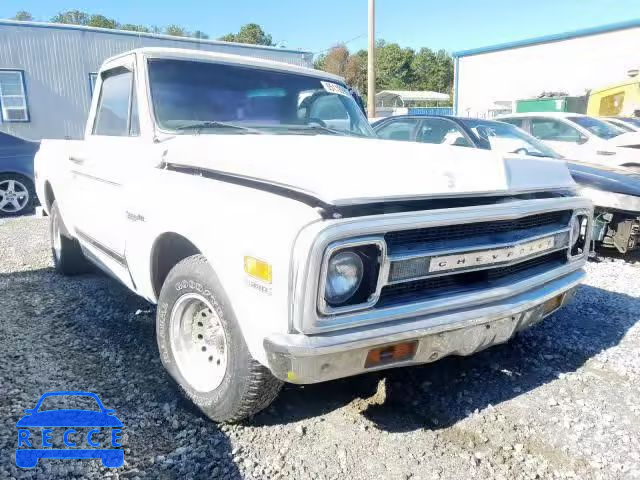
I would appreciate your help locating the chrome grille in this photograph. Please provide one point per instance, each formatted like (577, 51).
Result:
(474, 233)
(430, 288)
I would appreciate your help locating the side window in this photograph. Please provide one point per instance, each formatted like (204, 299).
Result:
(115, 105)
(441, 131)
(13, 97)
(554, 130)
(398, 130)
(516, 122)
(328, 107)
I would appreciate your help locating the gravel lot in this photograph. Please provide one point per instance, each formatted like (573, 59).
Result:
(560, 401)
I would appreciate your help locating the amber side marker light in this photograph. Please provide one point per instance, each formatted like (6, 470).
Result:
(257, 269)
(391, 354)
(552, 304)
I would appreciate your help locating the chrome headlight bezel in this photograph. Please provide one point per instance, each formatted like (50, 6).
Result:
(583, 242)
(354, 245)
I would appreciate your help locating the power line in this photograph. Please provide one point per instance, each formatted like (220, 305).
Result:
(341, 43)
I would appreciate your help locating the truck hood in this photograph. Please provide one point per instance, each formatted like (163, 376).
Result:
(341, 170)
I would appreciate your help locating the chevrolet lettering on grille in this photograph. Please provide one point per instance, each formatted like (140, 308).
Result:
(489, 257)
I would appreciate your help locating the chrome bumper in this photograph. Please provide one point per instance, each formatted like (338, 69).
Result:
(303, 359)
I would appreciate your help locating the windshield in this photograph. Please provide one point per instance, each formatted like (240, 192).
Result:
(632, 121)
(506, 138)
(620, 124)
(597, 127)
(217, 98)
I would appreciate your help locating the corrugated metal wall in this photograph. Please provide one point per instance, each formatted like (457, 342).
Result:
(57, 61)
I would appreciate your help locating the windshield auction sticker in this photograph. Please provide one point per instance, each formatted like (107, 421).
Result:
(72, 426)
(335, 88)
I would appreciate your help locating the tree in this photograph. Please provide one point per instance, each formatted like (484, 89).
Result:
(336, 60)
(24, 16)
(251, 33)
(176, 31)
(356, 71)
(339, 61)
(102, 22)
(433, 70)
(393, 66)
(75, 17)
(134, 28)
(397, 68)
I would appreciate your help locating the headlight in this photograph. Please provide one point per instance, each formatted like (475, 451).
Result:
(351, 275)
(344, 275)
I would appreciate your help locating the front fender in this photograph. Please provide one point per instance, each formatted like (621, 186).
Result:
(225, 223)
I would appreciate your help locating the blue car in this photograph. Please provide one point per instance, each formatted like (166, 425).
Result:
(17, 192)
(29, 452)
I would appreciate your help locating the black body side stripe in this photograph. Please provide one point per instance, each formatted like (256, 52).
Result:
(282, 190)
(97, 179)
(104, 249)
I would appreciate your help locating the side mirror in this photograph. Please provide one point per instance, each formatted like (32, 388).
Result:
(29, 411)
(109, 411)
(582, 140)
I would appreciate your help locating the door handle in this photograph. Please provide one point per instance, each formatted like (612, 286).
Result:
(76, 160)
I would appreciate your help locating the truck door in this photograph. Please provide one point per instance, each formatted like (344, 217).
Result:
(106, 164)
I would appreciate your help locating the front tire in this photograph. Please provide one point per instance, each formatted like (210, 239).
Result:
(203, 349)
(68, 258)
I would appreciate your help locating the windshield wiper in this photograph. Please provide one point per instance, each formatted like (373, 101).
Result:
(320, 128)
(212, 125)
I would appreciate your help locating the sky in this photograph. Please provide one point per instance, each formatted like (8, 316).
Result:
(317, 25)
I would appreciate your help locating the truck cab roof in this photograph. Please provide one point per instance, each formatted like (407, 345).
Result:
(206, 56)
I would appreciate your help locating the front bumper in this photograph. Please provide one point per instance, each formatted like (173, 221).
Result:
(303, 359)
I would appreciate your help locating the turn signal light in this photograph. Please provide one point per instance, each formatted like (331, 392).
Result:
(391, 354)
(552, 304)
(257, 269)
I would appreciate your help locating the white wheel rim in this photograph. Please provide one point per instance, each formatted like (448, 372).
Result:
(198, 342)
(14, 196)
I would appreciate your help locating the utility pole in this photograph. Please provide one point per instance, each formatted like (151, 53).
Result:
(371, 73)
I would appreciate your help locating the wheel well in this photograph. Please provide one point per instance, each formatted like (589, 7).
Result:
(49, 197)
(168, 250)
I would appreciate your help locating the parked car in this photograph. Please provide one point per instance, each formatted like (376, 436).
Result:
(579, 136)
(282, 241)
(17, 192)
(615, 192)
(628, 124)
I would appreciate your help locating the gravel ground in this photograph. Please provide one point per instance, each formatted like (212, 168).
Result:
(560, 401)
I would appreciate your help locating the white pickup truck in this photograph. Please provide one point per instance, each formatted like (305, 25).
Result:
(280, 242)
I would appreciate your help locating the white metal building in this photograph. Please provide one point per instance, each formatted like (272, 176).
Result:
(488, 80)
(47, 71)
